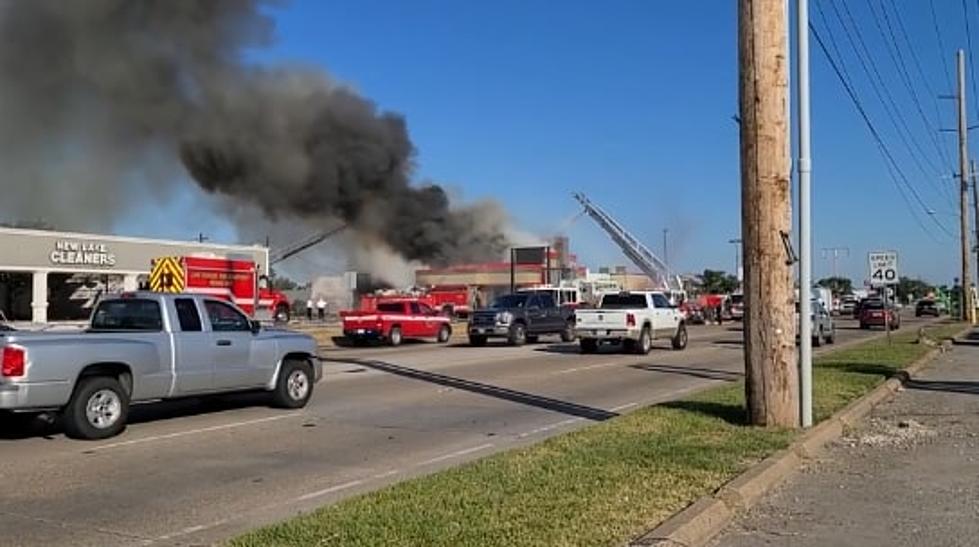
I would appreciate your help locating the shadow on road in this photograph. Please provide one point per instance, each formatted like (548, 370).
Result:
(25, 426)
(971, 388)
(710, 374)
(529, 399)
(730, 342)
(732, 414)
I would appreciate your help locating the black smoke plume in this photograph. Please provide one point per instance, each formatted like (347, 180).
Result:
(103, 101)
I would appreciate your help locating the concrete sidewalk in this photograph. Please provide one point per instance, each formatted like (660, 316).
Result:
(908, 476)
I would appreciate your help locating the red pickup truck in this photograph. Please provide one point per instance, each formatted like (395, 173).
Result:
(395, 320)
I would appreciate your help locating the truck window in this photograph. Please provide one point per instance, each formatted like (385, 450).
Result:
(128, 314)
(660, 301)
(426, 309)
(545, 300)
(623, 301)
(415, 308)
(391, 307)
(511, 301)
(224, 318)
(187, 316)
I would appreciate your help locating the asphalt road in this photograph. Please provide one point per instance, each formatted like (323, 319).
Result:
(197, 471)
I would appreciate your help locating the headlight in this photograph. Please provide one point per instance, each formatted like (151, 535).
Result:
(504, 317)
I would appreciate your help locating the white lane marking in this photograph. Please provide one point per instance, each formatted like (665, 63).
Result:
(330, 490)
(192, 529)
(546, 428)
(386, 474)
(455, 454)
(195, 431)
(589, 367)
(622, 407)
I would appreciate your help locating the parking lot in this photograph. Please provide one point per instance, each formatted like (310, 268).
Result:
(196, 471)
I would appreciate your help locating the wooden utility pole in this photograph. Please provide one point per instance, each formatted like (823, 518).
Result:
(965, 298)
(771, 385)
(975, 205)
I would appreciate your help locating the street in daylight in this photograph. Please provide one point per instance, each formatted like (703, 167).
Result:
(380, 273)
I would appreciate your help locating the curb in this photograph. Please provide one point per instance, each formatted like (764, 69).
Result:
(704, 519)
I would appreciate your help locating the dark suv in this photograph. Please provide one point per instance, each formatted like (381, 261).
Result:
(521, 317)
(926, 307)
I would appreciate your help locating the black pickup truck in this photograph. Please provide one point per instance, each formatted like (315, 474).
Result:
(521, 317)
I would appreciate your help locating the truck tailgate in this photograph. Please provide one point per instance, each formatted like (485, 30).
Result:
(601, 319)
(355, 320)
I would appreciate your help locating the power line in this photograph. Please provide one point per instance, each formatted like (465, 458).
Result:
(893, 167)
(898, 59)
(968, 37)
(881, 90)
(924, 80)
(941, 46)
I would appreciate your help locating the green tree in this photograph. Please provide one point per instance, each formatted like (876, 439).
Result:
(839, 285)
(718, 282)
(281, 283)
(915, 288)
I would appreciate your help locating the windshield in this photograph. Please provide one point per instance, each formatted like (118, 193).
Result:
(511, 301)
(873, 305)
(623, 301)
(128, 314)
(737, 298)
(391, 307)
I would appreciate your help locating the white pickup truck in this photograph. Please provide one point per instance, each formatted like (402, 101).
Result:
(142, 347)
(634, 319)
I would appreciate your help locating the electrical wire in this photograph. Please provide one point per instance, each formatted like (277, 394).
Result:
(881, 90)
(897, 175)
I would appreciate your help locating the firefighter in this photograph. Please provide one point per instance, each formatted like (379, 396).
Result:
(321, 308)
(309, 309)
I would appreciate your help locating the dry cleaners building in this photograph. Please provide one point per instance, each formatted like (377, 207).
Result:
(57, 276)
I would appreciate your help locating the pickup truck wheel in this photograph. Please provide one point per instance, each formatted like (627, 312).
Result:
(97, 410)
(518, 335)
(831, 337)
(645, 343)
(818, 339)
(589, 345)
(394, 337)
(680, 339)
(444, 333)
(295, 385)
(567, 335)
(532, 339)
(478, 341)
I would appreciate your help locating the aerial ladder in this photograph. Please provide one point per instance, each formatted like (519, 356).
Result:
(638, 253)
(299, 246)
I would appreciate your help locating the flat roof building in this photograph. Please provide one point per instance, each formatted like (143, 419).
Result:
(57, 276)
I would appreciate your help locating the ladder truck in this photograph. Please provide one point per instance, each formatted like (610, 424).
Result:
(639, 254)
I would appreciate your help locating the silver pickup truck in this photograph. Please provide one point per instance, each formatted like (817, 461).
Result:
(142, 347)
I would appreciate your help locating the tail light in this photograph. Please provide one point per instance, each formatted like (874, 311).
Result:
(630, 320)
(14, 359)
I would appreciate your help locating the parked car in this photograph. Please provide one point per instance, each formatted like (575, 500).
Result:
(150, 346)
(823, 326)
(874, 313)
(521, 317)
(926, 307)
(633, 319)
(736, 303)
(394, 320)
(847, 304)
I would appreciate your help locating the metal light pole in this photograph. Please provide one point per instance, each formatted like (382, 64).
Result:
(805, 226)
(666, 251)
(737, 257)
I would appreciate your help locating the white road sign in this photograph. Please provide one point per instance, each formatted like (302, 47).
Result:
(883, 268)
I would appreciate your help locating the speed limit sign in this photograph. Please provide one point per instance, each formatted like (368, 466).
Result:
(883, 268)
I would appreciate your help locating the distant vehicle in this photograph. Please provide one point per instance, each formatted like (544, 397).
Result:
(824, 296)
(926, 307)
(563, 296)
(393, 321)
(236, 281)
(847, 304)
(633, 319)
(521, 317)
(823, 326)
(873, 313)
(146, 346)
(737, 306)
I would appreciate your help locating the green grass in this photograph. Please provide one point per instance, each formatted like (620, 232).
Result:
(600, 485)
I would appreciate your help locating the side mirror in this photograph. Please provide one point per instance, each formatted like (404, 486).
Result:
(256, 327)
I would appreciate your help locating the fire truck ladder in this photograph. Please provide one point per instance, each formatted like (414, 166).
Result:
(315, 239)
(640, 255)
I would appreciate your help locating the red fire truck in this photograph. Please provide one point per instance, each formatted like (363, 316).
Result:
(233, 280)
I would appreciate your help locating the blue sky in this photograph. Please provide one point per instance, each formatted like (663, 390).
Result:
(631, 102)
